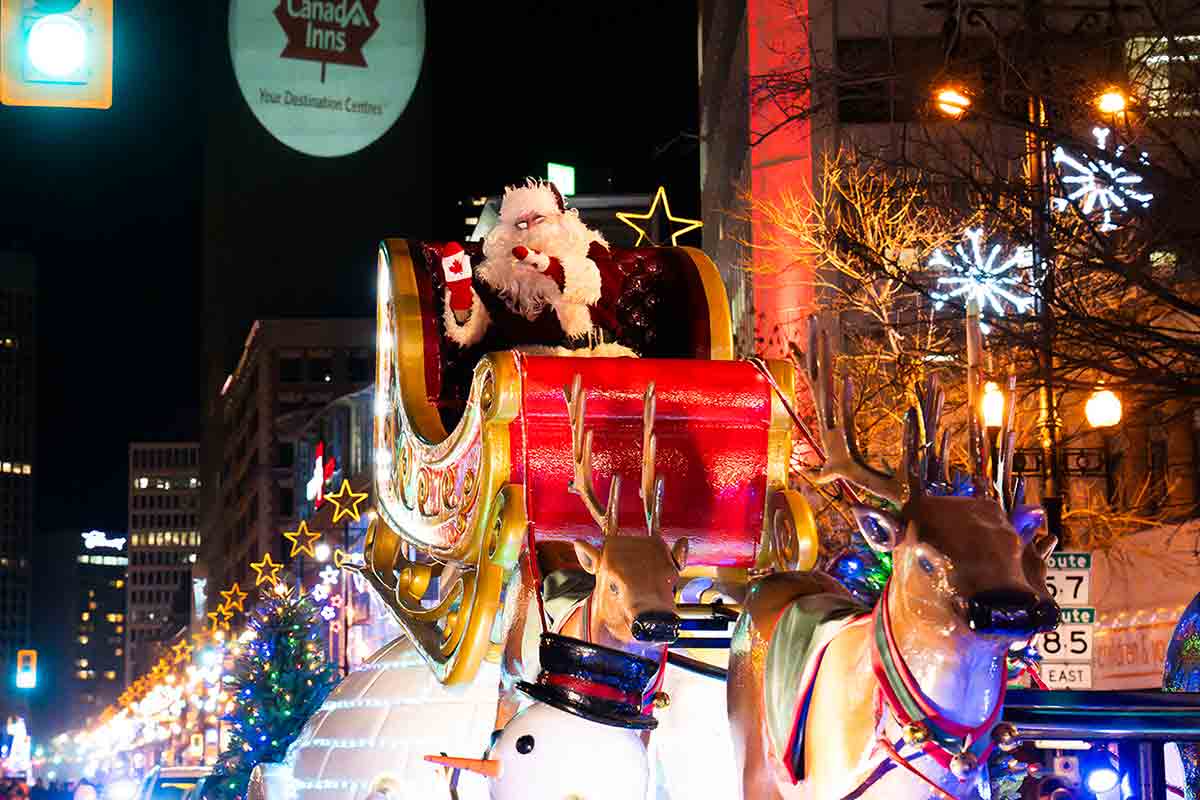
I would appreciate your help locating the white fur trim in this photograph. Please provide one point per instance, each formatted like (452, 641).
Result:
(539, 260)
(470, 333)
(575, 318)
(581, 282)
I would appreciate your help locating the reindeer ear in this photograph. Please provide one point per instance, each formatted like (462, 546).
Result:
(1045, 546)
(679, 553)
(588, 555)
(1027, 521)
(881, 530)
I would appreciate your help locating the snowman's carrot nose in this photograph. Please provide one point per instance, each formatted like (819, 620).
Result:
(482, 766)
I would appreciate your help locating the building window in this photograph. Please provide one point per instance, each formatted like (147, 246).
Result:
(320, 370)
(286, 454)
(287, 500)
(291, 370)
(1164, 72)
(360, 367)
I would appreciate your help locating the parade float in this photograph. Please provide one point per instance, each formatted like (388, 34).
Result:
(585, 530)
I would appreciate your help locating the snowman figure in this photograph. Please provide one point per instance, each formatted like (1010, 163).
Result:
(581, 738)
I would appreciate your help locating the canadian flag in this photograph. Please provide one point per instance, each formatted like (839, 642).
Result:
(322, 473)
(456, 269)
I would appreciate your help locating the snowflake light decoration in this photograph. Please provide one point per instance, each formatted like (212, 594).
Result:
(1099, 185)
(994, 279)
(330, 575)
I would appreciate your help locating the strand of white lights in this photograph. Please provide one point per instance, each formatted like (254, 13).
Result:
(1098, 185)
(994, 280)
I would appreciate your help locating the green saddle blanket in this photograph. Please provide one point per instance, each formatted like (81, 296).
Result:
(804, 630)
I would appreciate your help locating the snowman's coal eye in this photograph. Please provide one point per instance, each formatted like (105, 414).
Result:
(525, 745)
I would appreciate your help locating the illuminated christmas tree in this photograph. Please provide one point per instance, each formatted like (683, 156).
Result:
(280, 679)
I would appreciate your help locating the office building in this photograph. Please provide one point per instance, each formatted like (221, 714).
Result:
(17, 462)
(288, 372)
(164, 538)
(98, 662)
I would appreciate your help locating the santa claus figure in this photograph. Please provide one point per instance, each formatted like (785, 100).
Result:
(545, 277)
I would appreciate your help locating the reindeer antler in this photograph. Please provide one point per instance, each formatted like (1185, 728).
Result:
(652, 487)
(843, 460)
(581, 447)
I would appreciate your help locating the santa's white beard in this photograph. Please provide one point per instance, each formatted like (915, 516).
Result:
(526, 290)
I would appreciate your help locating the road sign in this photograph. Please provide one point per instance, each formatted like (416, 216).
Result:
(1068, 650)
(1069, 578)
(1066, 676)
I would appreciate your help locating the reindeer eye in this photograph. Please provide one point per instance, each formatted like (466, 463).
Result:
(612, 587)
(525, 745)
(925, 564)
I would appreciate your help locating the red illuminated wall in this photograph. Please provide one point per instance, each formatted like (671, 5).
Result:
(776, 28)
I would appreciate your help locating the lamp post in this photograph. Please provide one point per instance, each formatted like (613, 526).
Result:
(954, 102)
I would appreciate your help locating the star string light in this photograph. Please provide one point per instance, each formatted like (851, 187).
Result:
(1098, 185)
(992, 278)
(234, 597)
(266, 571)
(182, 651)
(330, 575)
(685, 225)
(347, 502)
(304, 547)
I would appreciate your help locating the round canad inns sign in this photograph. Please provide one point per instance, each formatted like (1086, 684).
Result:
(327, 77)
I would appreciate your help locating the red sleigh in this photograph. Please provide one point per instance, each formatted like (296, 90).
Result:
(473, 448)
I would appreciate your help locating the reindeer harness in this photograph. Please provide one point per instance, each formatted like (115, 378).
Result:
(803, 634)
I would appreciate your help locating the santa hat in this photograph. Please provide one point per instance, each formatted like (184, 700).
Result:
(594, 682)
(538, 196)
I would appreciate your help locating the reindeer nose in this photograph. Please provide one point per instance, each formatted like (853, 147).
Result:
(1011, 611)
(656, 626)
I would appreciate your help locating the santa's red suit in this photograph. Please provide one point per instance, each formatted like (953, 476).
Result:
(518, 295)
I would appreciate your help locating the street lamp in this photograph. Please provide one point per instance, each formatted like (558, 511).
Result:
(993, 405)
(1103, 409)
(952, 101)
(1112, 101)
(993, 419)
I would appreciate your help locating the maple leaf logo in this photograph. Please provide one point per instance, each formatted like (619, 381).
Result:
(327, 31)
(456, 268)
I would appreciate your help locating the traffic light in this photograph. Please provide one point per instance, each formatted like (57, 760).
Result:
(27, 669)
(56, 53)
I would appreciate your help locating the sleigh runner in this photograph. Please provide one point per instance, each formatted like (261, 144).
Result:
(468, 478)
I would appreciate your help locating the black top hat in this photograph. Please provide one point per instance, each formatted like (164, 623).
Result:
(597, 683)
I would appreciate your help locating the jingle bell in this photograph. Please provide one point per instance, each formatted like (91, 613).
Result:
(661, 699)
(1006, 737)
(916, 733)
(963, 764)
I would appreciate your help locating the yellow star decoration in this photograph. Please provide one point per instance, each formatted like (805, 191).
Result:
(266, 571)
(225, 612)
(183, 651)
(305, 547)
(659, 196)
(347, 501)
(234, 597)
(217, 623)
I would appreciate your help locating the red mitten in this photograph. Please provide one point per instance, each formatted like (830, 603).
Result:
(456, 269)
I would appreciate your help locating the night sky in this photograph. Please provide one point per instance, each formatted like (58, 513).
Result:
(111, 203)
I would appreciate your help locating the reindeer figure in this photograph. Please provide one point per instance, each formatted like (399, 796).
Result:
(829, 701)
(632, 606)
